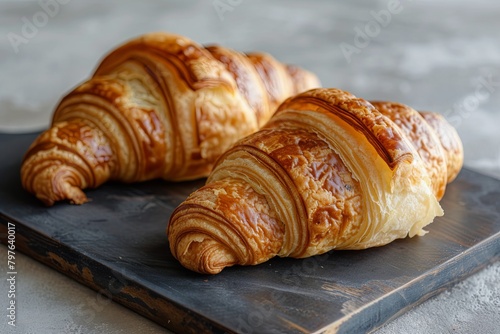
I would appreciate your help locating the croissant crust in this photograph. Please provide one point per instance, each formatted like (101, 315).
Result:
(159, 106)
(328, 171)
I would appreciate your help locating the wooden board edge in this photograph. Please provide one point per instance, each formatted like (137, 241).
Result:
(108, 283)
(399, 301)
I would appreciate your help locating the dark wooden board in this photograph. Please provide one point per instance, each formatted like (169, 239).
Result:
(116, 244)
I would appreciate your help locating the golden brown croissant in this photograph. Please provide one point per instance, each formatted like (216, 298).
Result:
(159, 106)
(329, 171)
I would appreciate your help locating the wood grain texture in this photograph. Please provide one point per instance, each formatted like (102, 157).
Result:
(116, 244)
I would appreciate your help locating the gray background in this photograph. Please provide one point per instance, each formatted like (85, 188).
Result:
(433, 55)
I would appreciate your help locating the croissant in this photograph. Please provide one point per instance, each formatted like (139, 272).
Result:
(159, 106)
(329, 171)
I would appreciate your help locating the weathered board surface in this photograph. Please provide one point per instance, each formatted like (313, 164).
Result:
(116, 244)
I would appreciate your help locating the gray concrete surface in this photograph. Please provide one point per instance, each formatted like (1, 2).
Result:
(433, 55)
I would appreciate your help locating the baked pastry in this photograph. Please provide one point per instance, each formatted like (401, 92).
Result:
(159, 106)
(329, 171)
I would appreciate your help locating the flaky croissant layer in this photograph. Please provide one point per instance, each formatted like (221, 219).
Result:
(159, 106)
(328, 171)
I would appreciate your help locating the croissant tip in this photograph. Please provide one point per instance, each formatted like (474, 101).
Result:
(75, 200)
(79, 201)
(206, 257)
